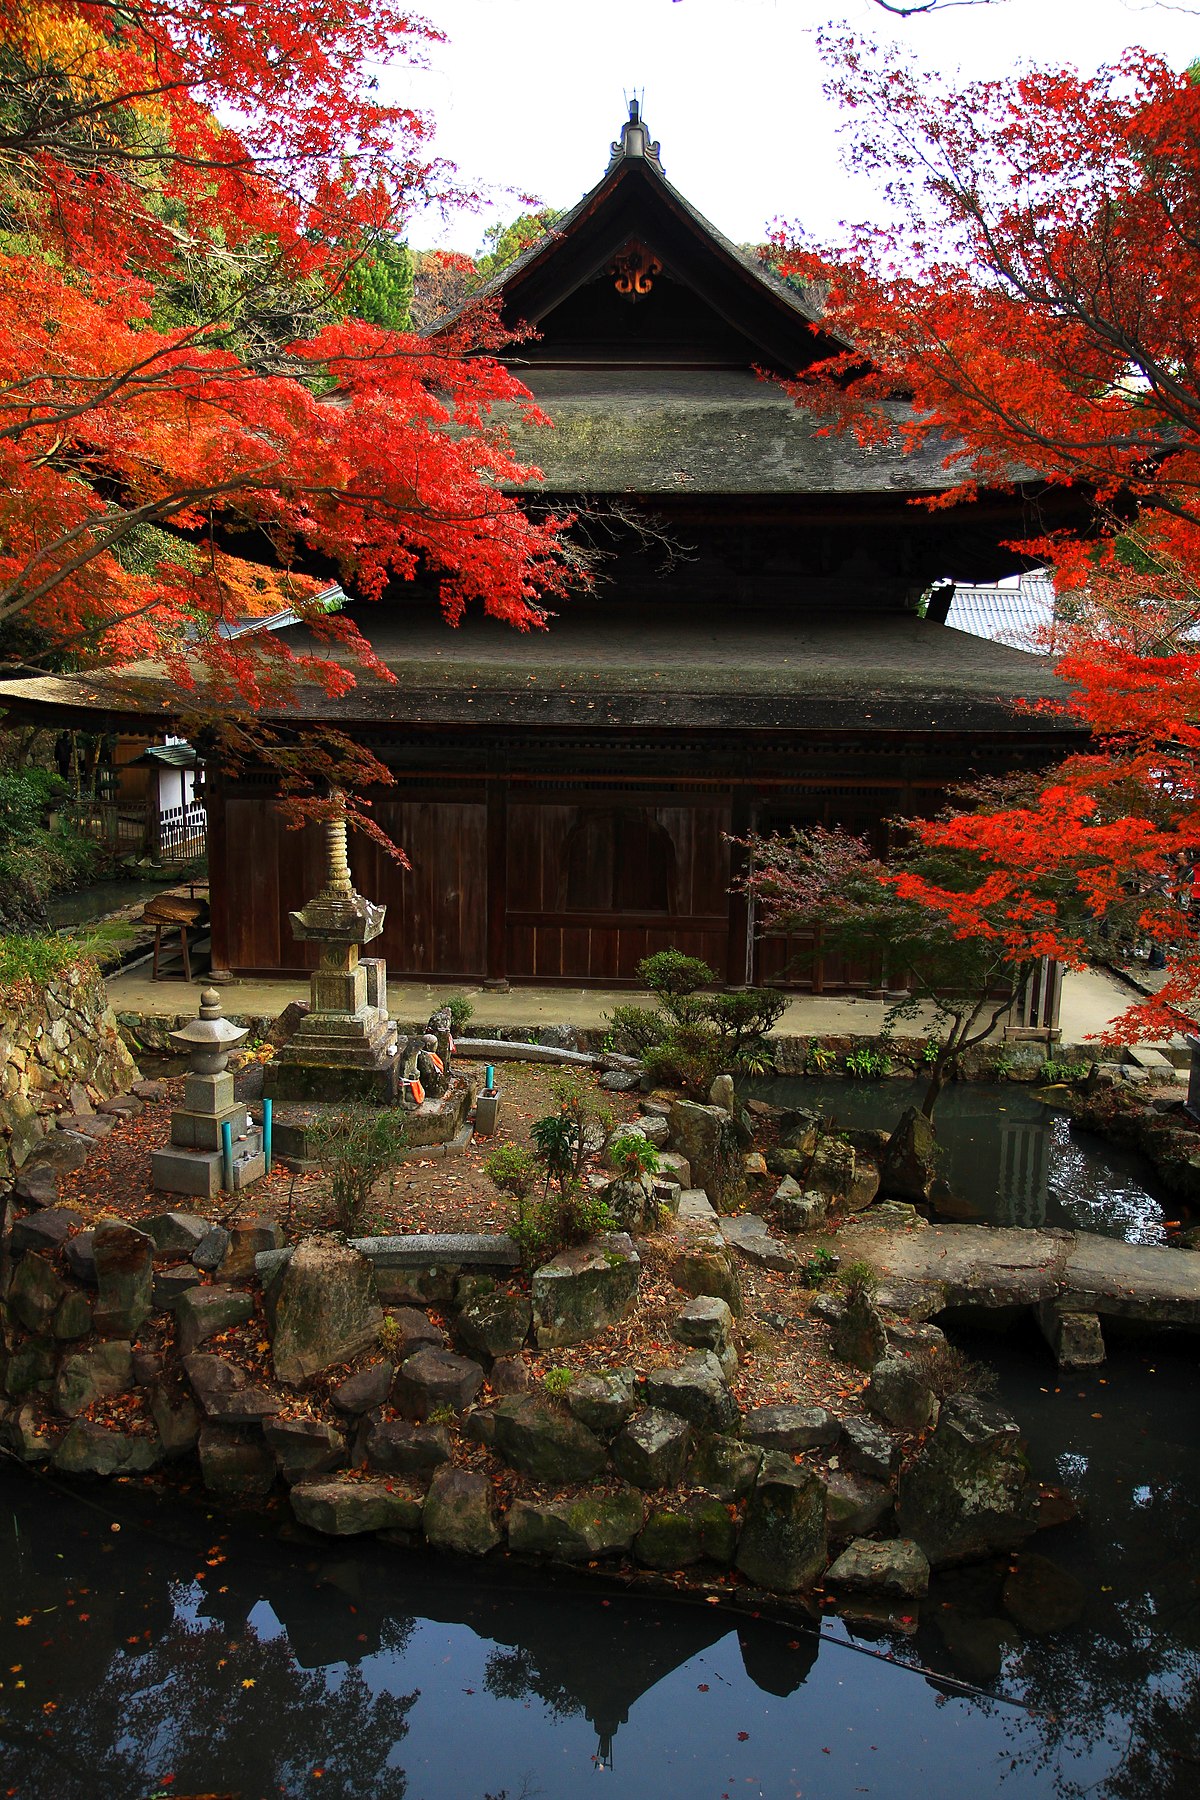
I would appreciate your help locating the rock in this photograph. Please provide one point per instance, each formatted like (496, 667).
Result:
(1040, 1597)
(631, 1204)
(233, 1465)
(651, 1451)
(791, 1427)
(621, 1081)
(749, 1236)
(800, 1212)
(857, 1334)
(789, 1163)
(898, 1393)
(149, 1090)
(326, 1310)
(976, 1646)
(435, 1378)
(74, 1316)
(341, 1508)
(864, 1187)
(401, 1448)
(899, 1568)
(701, 1133)
(480, 1427)
(602, 1402)
(224, 1391)
(24, 1436)
(37, 1185)
(62, 1151)
(854, 1505)
(723, 1094)
(697, 1390)
(783, 1545)
(91, 1449)
(460, 1512)
(655, 1129)
(724, 1466)
(80, 1257)
(673, 1167)
(593, 1524)
(497, 1324)
(831, 1171)
(411, 1330)
(543, 1441)
(209, 1253)
(176, 1233)
(203, 1312)
(584, 1290)
(908, 1166)
(169, 1284)
(30, 1371)
(304, 1447)
(35, 1293)
(246, 1239)
(46, 1230)
(124, 1275)
(147, 1367)
(968, 1493)
(867, 1448)
(365, 1391)
(509, 1375)
(706, 1323)
(674, 1537)
(283, 1027)
(754, 1166)
(903, 1334)
(175, 1417)
(708, 1269)
(92, 1375)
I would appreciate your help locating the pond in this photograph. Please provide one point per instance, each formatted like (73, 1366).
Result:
(99, 900)
(1011, 1155)
(180, 1655)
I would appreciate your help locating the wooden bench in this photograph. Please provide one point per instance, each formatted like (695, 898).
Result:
(175, 912)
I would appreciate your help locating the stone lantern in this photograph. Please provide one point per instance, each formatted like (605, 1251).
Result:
(345, 1046)
(193, 1161)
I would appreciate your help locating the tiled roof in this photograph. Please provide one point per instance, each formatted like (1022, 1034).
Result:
(1013, 613)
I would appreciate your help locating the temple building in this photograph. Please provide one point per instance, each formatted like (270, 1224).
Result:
(754, 656)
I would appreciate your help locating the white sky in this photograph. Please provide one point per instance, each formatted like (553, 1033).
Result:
(528, 94)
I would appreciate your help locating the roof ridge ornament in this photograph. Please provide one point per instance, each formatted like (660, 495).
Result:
(635, 141)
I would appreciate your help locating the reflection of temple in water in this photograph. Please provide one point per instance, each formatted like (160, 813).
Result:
(574, 1647)
(1022, 1174)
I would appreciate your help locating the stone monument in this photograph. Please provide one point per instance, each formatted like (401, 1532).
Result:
(345, 1048)
(193, 1161)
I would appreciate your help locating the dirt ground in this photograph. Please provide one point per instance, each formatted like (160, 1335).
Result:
(784, 1355)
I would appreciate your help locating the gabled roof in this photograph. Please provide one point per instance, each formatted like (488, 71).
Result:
(634, 200)
(1008, 612)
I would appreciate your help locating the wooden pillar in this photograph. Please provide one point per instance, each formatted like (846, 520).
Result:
(496, 976)
(739, 957)
(218, 870)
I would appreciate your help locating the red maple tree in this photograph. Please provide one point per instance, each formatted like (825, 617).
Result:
(1033, 307)
(185, 186)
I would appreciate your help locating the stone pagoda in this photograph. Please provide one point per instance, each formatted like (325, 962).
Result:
(345, 1047)
(194, 1160)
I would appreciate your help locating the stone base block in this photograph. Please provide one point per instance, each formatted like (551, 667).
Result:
(302, 1082)
(486, 1109)
(199, 1131)
(177, 1171)
(435, 1122)
(211, 1094)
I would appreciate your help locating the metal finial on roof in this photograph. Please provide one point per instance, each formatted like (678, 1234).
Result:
(635, 140)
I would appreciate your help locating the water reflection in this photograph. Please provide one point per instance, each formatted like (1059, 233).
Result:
(1013, 1158)
(180, 1656)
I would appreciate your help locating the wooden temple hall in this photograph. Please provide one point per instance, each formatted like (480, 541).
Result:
(566, 798)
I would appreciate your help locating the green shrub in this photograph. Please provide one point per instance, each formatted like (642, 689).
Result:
(514, 1170)
(858, 1281)
(821, 1265)
(557, 1381)
(1058, 1072)
(692, 1036)
(819, 1059)
(357, 1147)
(37, 959)
(867, 1064)
(461, 1014)
(632, 1156)
(558, 1219)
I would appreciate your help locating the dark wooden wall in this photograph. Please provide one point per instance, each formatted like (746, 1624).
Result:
(534, 880)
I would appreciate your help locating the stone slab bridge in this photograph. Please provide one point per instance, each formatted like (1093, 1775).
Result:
(1071, 1280)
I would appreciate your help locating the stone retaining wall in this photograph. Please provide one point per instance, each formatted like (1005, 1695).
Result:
(60, 1049)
